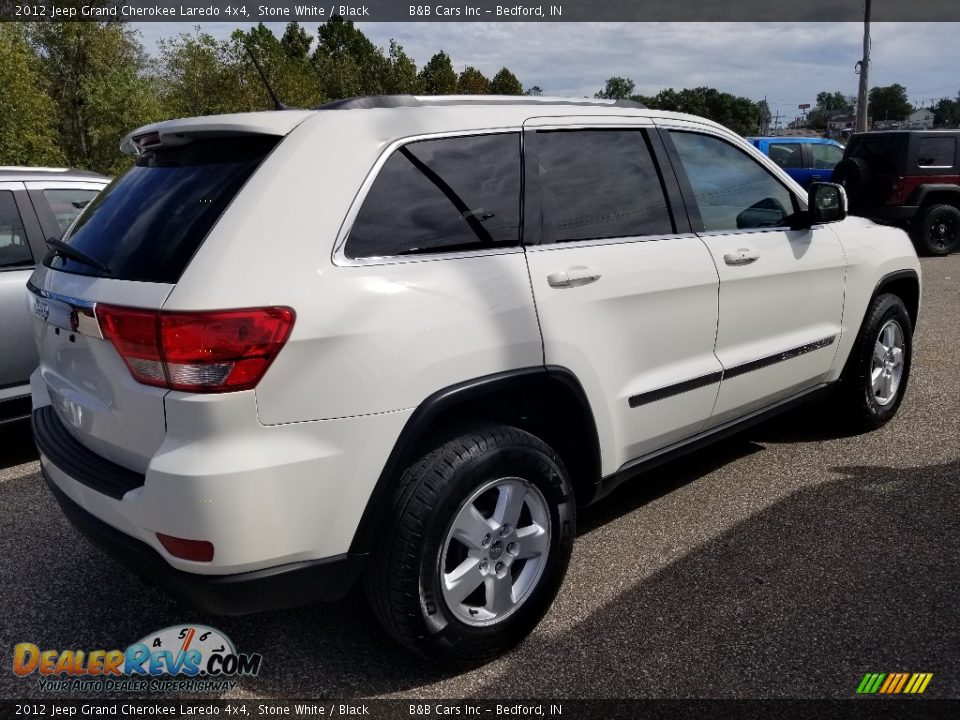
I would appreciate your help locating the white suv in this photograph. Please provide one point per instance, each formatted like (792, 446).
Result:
(401, 339)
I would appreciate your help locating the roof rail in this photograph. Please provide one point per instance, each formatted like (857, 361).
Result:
(395, 101)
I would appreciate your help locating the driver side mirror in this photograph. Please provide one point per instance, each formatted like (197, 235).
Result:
(826, 203)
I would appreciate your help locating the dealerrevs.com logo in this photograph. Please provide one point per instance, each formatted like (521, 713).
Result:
(191, 658)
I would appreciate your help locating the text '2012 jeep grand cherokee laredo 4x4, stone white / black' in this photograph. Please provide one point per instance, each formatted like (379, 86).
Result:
(400, 340)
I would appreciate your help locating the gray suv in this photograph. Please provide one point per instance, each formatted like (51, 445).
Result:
(36, 204)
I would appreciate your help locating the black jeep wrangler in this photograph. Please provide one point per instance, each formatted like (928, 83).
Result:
(909, 178)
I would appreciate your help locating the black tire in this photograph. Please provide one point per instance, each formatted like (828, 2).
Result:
(863, 409)
(937, 230)
(404, 581)
(853, 174)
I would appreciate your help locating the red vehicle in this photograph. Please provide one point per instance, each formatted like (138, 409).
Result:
(909, 178)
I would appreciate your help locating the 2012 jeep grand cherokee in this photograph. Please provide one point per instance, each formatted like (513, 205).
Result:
(403, 339)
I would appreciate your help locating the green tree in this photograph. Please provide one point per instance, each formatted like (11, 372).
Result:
(401, 71)
(616, 88)
(201, 75)
(292, 75)
(740, 114)
(296, 41)
(437, 76)
(28, 132)
(946, 113)
(348, 63)
(505, 83)
(889, 103)
(472, 82)
(98, 79)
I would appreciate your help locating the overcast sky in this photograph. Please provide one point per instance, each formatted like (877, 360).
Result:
(786, 62)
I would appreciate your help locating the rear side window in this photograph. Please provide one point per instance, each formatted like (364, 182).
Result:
(599, 184)
(14, 250)
(148, 223)
(826, 157)
(787, 155)
(936, 152)
(733, 191)
(444, 195)
(66, 204)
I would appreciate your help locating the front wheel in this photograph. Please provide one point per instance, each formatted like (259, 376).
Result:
(476, 547)
(937, 230)
(875, 378)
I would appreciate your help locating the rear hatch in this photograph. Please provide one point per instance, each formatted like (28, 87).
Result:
(126, 252)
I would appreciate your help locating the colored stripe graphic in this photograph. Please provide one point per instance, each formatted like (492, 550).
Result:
(894, 683)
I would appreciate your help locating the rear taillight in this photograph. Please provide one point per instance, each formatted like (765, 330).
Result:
(217, 351)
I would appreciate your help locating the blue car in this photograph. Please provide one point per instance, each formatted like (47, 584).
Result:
(806, 160)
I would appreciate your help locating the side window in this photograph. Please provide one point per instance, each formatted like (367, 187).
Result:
(733, 191)
(66, 204)
(936, 152)
(826, 157)
(599, 184)
(787, 155)
(441, 195)
(14, 249)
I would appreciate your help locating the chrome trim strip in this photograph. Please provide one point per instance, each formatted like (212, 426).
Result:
(79, 315)
(339, 256)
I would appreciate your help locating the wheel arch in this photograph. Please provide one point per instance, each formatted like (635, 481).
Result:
(939, 194)
(547, 401)
(905, 284)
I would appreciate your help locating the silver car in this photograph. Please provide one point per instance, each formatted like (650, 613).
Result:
(36, 204)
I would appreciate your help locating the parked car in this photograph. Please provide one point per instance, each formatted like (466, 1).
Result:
(909, 178)
(807, 160)
(292, 350)
(35, 203)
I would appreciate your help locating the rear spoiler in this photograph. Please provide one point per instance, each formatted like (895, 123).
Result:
(171, 133)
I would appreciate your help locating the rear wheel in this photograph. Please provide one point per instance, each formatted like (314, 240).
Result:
(476, 547)
(937, 230)
(875, 378)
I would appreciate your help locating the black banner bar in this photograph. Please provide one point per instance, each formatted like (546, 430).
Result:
(873, 707)
(198, 11)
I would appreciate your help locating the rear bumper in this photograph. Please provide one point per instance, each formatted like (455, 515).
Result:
(887, 213)
(284, 586)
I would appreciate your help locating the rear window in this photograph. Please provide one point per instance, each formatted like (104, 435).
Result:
(148, 223)
(883, 154)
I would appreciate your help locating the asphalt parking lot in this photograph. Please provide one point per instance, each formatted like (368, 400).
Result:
(784, 562)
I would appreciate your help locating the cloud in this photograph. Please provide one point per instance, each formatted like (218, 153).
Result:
(789, 63)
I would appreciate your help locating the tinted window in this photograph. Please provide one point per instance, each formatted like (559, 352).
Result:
(883, 154)
(67, 204)
(14, 250)
(148, 223)
(442, 195)
(826, 157)
(733, 190)
(938, 152)
(599, 184)
(787, 155)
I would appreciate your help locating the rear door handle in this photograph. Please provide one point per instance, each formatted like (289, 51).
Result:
(573, 277)
(743, 256)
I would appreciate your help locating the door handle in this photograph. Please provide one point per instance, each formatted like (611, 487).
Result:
(743, 256)
(573, 277)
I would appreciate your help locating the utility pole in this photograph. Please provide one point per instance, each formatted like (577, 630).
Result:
(864, 66)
